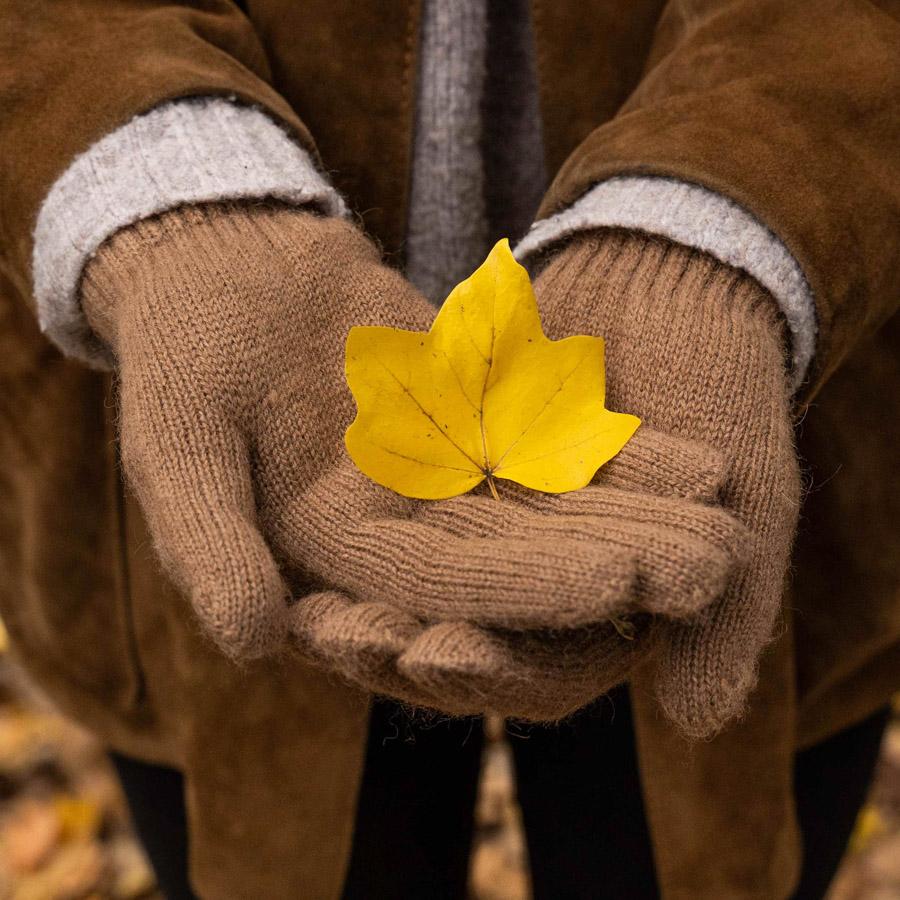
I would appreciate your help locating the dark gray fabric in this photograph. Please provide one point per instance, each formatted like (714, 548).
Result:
(515, 175)
(478, 167)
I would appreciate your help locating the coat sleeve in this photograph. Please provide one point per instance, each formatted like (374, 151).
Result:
(112, 110)
(789, 111)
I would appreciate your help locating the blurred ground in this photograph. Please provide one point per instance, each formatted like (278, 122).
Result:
(871, 870)
(65, 835)
(64, 829)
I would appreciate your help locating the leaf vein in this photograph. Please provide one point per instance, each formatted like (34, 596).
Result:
(462, 388)
(470, 336)
(588, 439)
(423, 462)
(543, 409)
(406, 390)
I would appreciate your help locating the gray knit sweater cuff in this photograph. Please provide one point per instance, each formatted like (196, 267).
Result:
(186, 151)
(700, 218)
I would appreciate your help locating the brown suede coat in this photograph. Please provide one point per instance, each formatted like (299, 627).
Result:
(789, 108)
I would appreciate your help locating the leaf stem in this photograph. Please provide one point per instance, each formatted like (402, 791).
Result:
(625, 628)
(493, 487)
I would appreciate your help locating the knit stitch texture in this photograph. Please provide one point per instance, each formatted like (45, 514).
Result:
(187, 151)
(228, 325)
(696, 217)
(647, 516)
(696, 349)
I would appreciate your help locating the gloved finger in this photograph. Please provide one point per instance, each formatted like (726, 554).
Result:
(338, 531)
(684, 552)
(531, 581)
(339, 626)
(533, 676)
(708, 668)
(664, 465)
(192, 478)
(477, 515)
(359, 642)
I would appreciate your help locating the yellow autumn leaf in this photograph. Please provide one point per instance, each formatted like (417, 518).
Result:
(484, 394)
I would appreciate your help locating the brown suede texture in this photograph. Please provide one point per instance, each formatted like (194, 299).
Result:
(783, 107)
(724, 806)
(787, 108)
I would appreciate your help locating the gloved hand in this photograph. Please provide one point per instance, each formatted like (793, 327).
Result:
(538, 675)
(228, 324)
(697, 349)
(217, 316)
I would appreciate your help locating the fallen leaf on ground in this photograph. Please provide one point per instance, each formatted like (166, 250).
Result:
(80, 818)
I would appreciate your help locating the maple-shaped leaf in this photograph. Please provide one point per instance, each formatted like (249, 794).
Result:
(484, 394)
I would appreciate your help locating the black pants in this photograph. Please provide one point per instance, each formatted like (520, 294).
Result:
(586, 831)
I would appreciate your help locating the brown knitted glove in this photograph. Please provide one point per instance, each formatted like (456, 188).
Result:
(459, 668)
(697, 349)
(214, 313)
(229, 326)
